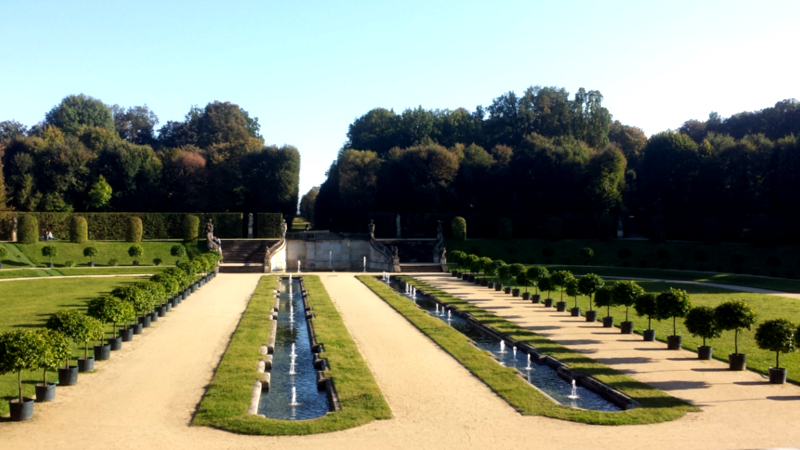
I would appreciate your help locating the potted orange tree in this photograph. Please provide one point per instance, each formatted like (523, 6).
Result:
(625, 294)
(700, 322)
(776, 335)
(20, 350)
(56, 349)
(735, 315)
(671, 304)
(588, 285)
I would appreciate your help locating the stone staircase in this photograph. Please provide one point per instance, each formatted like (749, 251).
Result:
(420, 268)
(412, 250)
(244, 255)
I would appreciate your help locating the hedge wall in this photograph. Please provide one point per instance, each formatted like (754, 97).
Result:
(268, 225)
(112, 226)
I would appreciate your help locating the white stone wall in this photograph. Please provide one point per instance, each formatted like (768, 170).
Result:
(341, 255)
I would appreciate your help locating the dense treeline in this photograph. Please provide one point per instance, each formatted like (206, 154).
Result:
(88, 156)
(546, 153)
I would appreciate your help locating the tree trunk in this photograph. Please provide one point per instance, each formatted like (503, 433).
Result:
(19, 385)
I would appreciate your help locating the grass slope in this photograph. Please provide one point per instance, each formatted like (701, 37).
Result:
(228, 397)
(78, 271)
(656, 406)
(29, 303)
(20, 255)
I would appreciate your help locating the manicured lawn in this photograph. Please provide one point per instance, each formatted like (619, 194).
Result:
(75, 271)
(228, 397)
(29, 303)
(644, 253)
(655, 405)
(32, 254)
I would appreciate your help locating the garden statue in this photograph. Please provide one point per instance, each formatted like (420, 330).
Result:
(396, 251)
(210, 228)
(14, 228)
(444, 252)
(371, 229)
(250, 226)
(397, 221)
(283, 229)
(439, 232)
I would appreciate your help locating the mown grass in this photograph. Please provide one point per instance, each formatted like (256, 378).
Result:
(21, 255)
(655, 405)
(78, 271)
(29, 303)
(228, 397)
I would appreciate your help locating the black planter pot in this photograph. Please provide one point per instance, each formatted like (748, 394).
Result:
(144, 320)
(484, 282)
(777, 375)
(674, 342)
(162, 310)
(591, 316)
(515, 292)
(115, 343)
(626, 327)
(102, 352)
(704, 352)
(126, 334)
(45, 392)
(498, 287)
(649, 335)
(68, 376)
(471, 278)
(490, 285)
(608, 322)
(561, 306)
(136, 263)
(168, 306)
(85, 364)
(49, 266)
(526, 295)
(536, 298)
(21, 411)
(154, 316)
(575, 312)
(462, 275)
(184, 294)
(194, 287)
(737, 361)
(507, 290)
(454, 273)
(548, 302)
(91, 263)
(137, 329)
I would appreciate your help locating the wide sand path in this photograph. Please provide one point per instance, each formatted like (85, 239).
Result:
(146, 395)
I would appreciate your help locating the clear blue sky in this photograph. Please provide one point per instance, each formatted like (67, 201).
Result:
(307, 69)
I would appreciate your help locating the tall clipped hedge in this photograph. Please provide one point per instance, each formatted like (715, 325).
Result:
(268, 225)
(133, 230)
(78, 230)
(191, 225)
(28, 229)
(458, 226)
(111, 226)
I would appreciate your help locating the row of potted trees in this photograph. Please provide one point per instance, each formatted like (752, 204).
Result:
(135, 251)
(779, 335)
(131, 308)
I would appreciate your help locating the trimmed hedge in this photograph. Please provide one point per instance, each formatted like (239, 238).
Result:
(268, 225)
(78, 230)
(458, 227)
(28, 230)
(104, 226)
(133, 231)
(191, 225)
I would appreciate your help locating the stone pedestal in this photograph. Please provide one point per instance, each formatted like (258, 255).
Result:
(13, 236)
(249, 232)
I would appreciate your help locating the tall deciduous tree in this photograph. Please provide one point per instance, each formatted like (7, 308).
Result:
(78, 111)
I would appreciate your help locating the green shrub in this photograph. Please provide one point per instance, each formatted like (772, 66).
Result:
(735, 315)
(110, 309)
(626, 293)
(69, 263)
(546, 285)
(589, 284)
(555, 229)
(76, 326)
(191, 225)
(139, 300)
(157, 261)
(78, 230)
(505, 229)
(536, 273)
(3, 252)
(647, 306)
(28, 231)
(777, 336)
(672, 304)
(136, 251)
(20, 350)
(50, 251)
(700, 322)
(133, 232)
(56, 349)
(605, 297)
(268, 225)
(91, 253)
(178, 251)
(458, 227)
(112, 262)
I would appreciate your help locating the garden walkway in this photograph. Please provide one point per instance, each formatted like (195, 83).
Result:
(145, 396)
(716, 285)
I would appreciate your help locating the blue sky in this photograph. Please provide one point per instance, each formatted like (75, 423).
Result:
(307, 69)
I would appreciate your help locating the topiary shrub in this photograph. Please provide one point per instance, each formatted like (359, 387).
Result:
(555, 229)
(157, 261)
(20, 350)
(626, 293)
(135, 252)
(50, 251)
(605, 297)
(700, 322)
(3, 254)
(91, 253)
(777, 336)
(133, 233)
(735, 315)
(672, 304)
(28, 232)
(589, 284)
(56, 350)
(458, 227)
(505, 229)
(191, 225)
(78, 230)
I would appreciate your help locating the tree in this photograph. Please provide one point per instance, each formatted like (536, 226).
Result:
(91, 253)
(546, 285)
(536, 273)
(136, 251)
(50, 251)
(776, 335)
(135, 124)
(308, 203)
(559, 279)
(20, 350)
(110, 309)
(78, 111)
(572, 286)
(589, 284)
(56, 349)
(605, 297)
(515, 270)
(735, 315)
(647, 306)
(76, 326)
(100, 193)
(9, 129)
(700, 322)
(626, 293)
(672, 304)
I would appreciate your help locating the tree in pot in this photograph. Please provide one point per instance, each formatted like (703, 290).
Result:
(81, 329)
(625, 294)
(20, 350)
(3, 254)
(776, 335)
(522, 280)
(141, 304)
(110, 309)
(56, 349)
(647, 306)
(178, 251)
(136, 251)
(700, 322)
(471, 262)
(735, 315)
(514, 271)
(50, 251)
(504, 273)
(588, 285)
(486, 265)
(491, 271)
(558, 279)
(91, 253)
(546, 285)
(605, 297)
(536, 273)
(573, 290)
(671, 304)
(155, 295)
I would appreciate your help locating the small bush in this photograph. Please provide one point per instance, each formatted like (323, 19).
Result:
(505, 229)
(136, 251)
(90, 252)
(50, 251)
(134, 231)
(157, 261)
(178, 251)
(78, 230)
(3, 253)
(112, 262)
(28, 230)
(458, 227)
(191, 225)
(555, 229)
(69, 263)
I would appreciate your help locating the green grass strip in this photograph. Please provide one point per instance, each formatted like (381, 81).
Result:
(228, 397)
(655, 405)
